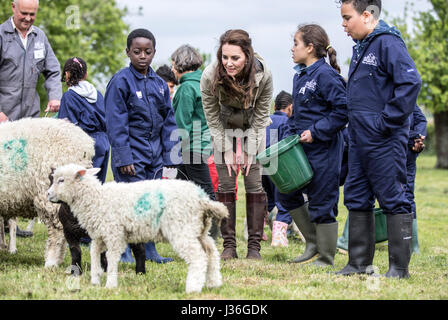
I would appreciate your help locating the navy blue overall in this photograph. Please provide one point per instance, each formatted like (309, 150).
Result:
(140, 121)
(90, 117)
(319, 106)
(382, 90)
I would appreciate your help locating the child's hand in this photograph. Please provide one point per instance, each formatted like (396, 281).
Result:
(129, 170)
(419, 144)
(306, 137)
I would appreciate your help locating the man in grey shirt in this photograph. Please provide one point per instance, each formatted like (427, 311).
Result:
(25, 53)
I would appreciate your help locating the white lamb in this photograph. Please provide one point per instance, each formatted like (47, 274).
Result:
(28, 149)
(115, 214)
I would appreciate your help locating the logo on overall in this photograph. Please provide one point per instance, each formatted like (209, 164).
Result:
(370, 60)
(309, 85)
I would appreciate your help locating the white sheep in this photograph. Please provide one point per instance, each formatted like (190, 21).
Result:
(28, 149)
(115, 214)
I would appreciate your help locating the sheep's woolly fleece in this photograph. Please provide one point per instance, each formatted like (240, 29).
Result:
(28, 149)
(115, 214)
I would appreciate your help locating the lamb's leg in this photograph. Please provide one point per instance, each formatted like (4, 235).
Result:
(138, 249)
(190, 249)
(113, 254)
(95, 253)
(12, 235)
(103, 261)
(213, 276)
(73, 233)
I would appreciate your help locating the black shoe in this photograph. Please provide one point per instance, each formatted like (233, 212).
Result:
(23, 234)
(361, 243)
(399, 233)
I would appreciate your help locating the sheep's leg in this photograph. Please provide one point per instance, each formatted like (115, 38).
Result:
(138, 249)
(73, 233)
(12, 235)
(190, 249)
(213, 276)
(55, 249)
(30, 226)
(2, 234)
(95, 253)
(113, 254)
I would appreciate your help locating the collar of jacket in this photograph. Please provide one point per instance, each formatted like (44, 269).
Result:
(138, 75)
(381, 28)
(191, 76)
(280, 113)
(10, 28)
(300, 68)
(260, 68)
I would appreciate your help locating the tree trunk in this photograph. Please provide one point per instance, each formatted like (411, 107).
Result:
(441, 136)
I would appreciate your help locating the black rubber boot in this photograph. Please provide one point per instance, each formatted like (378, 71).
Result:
(23, 234)
(302, 219)
(399, 233)
(327, 236)
(361, 243)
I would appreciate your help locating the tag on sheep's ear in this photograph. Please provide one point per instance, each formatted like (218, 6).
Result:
(93, 171)
(80, 174)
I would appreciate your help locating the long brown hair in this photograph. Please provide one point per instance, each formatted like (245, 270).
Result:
(316, 35)
(243, 85)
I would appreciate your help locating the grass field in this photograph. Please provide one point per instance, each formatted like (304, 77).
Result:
(22, 275)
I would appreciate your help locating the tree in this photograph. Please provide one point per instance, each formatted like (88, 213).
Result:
(428, 46)
(92, 30)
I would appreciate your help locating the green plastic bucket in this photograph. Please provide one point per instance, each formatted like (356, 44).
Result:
(380, 225)
(286, 164)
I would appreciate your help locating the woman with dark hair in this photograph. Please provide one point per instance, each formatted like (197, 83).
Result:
(236, 96)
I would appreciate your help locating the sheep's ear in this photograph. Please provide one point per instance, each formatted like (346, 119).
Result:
(80, 174)
(93, 171)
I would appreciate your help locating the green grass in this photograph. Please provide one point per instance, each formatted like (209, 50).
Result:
(22, 276)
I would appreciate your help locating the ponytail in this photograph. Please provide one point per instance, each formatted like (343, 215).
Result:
(316, 35)
(332, 59)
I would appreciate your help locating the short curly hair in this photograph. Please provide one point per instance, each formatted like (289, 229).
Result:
(141, 33)
(186, 58)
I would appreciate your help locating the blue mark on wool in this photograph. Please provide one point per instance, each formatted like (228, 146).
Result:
(150, 205)
(18, 158)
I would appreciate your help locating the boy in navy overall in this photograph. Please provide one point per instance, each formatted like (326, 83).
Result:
(320, 113)
(382, 89)
(140, 120)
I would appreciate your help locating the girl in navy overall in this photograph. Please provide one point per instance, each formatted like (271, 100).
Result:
(320, 113)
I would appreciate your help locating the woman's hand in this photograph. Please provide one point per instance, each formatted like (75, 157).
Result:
(306, 137)
(129, 170)
(248, 161)
(230, 161)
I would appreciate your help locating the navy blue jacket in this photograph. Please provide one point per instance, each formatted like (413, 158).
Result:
(89, 116)
(383, 79)
(278, 118)
(320, 103)
(140, 119)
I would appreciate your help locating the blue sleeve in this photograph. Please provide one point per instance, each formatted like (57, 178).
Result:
(117, 123)
(334, 94)
(406, 82)
(419, 127)
(169, 134)
(68, 109)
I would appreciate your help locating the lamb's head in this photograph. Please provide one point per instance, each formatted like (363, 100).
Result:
(65, 179)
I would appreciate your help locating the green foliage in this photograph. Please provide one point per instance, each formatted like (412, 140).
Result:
(428, 44)
(92, 30)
